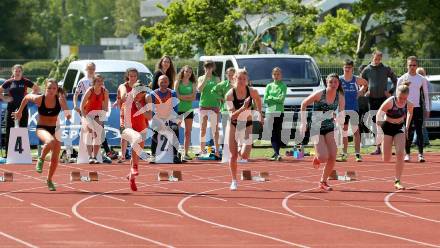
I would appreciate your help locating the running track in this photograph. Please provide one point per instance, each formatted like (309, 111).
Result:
(200, 211)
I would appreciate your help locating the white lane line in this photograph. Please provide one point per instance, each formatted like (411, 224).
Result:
(413, 197)
(182, 210)
(13, 197)
(158, 210)
(388, 203)
(266, 210)
(372, 209)
(203, 195)
(286, 207)
(18, 240)
(78, 215)
(51, 210)
(114, 198)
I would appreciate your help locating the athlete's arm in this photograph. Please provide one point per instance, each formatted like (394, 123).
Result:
(258, 103)
(314, 97)
(380, 116)
(63, 103)
(28, 98)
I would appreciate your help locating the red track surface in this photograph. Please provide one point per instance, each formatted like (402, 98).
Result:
(200, 211)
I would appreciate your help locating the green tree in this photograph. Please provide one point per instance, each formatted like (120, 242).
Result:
(336, 35)
(419, 33)
(191, 24)
(223, 27)
(379, 24)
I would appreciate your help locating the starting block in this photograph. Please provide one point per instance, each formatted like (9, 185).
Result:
(7, 177)
(333, 175)
(263, 176)
(246, 175)
(350, 175)
(172, 176)
(75, 176)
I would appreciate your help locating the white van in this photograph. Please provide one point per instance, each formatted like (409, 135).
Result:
(112, 70)
(300, 73)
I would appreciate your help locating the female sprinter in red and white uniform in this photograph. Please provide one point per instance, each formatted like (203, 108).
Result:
(136, 128)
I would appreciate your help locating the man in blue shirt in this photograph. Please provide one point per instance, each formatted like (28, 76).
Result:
(164, 103)
(353, 88)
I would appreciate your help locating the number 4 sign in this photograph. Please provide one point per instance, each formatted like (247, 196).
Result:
(19, 150)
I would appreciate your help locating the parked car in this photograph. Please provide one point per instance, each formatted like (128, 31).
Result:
(113, 72)
(300, 73)
(433, 122)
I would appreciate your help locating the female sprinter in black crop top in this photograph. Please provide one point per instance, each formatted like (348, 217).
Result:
(391, 117)
(239, 101)
(49, 107)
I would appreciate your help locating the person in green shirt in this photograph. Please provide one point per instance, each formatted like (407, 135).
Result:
(185, 88)
(274, 100)
(221, 90)
(209, 107)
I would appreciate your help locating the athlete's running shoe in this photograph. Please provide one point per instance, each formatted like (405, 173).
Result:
(131, 180)
(51, 185)
(342, 158)
(234, 185)
(398, 185)
(325, 186)
(358, 158)
(39, 165)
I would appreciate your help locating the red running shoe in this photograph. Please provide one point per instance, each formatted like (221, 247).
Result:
(316, 163)
(134, 170)
(132, 182)
(324, 186)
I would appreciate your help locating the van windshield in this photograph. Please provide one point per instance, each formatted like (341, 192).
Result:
(112, 80)
(297, 72)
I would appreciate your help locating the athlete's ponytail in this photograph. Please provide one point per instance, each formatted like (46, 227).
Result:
(404, 87)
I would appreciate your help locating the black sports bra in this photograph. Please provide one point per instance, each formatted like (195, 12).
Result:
(45, 111)
(395, 112)
(238, 103)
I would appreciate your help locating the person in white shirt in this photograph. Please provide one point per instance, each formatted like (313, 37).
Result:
(421, 71)
(418, 86)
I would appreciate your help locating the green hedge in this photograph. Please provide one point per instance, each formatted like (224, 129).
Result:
(38, 68)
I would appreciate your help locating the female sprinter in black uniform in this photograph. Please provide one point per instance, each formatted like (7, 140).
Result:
(240, 100)
(328, 101)
(49, 107)
(397, 110)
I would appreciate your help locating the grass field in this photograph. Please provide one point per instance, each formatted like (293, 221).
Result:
(262, 149)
